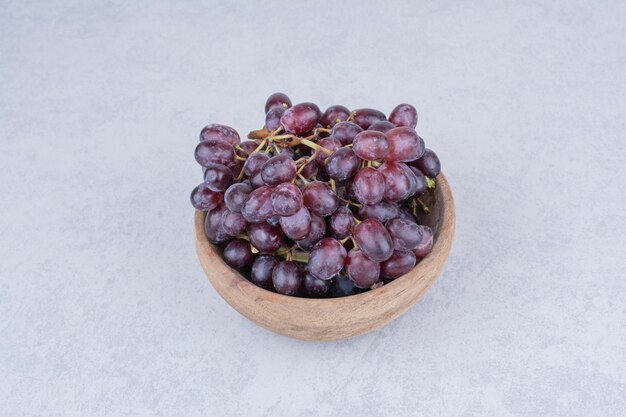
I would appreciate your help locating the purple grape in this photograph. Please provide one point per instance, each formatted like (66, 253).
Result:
(237, 253)
(382, 211)
(333, 115)
(371, 145)
(310, 170)
(365, 117)
(277, 100)
(205, 199)
(363, 271)
(221, 133)
(406, 235)
(429, 164)
(287, 278)
(341, 286)
(314, 287)
(272, 118)
(254, 163)
(368, 186)
(329, 143)
(214, 152)
(261, 273)
(426, 244)
(326, 258)
(345, 132)
(298, 226)
(397, 181)
(317, 232)
(218, 177)
(421, 184)
(301, 118)
(319, 198)
(213, 226)
(404, 144)
(373, 239)
(278, 169)
(265, 237)
(258, 207)
(342, 164)
(233, 223)
(248, 147)
(404, 115)
(381, 126)
(286, 199)
(256, 180)
(236, 195)
(398, 264)
(341, 223)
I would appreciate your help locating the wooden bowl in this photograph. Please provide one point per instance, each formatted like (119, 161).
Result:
(334, 318)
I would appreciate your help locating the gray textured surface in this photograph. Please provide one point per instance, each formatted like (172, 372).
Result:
(104, 310)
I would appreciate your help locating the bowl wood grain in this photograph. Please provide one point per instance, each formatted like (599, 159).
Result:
(334, 318)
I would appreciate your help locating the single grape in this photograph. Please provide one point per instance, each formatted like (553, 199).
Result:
(342, 164)
(330, 143)
(258, 207)
(404, 144)
(221, 133)
(363, 271)
(381, 126)
(373, 239)
(236, 195)
(320, 198)
(233, 223)
(248, 147)
(310, 170)
(265, 237)
(214, 152)
(205, 199)
(410, 175)
(397, 181)
(333, 115)
(314, 287)
(298, 226)
(238, 254)
(341, 286)
(278, 169)
(404, 213)
(421, 184)
(254, 163)
(218, 177)
(404, 115)
(345, 132)
(426, 244)
(256, 180)
(326, 258)
(382, 211)
(318, 231)
(371, 145)
(213, 226)
(341, 222)
(365, 117)
(277, 100)
(406, 235)
(368, 186)
(429, 164)
(287, 278)
(301, 118)
(286, 199)
(261, 272)
(398, 264)
(272, 118)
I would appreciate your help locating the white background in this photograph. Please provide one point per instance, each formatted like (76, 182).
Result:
(104, 310)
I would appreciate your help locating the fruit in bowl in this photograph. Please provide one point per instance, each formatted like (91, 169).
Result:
(316, 206)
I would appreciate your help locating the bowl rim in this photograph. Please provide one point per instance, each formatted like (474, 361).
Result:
(441, 246)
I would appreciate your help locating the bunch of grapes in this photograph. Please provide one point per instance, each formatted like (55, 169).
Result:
(318, 204)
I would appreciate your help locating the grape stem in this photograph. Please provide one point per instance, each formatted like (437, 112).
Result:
(430, 183)
(348, 202)
(351, 116)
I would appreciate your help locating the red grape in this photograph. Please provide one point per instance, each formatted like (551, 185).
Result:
(341, 222)
(369, 186)
(219, 132)
(261, 272)
(248, 147)
(277, 100)
(256, 180)
(314, 287)
(318, 231)
(254, 163)
(371, 145)
(238, 254)
(429, 164)
(218, 177)
(373, 239)
(382, 211)
(326, 258)
(214, 152)
(301, 118)
(426, 244)
(404, 115)
(213, 226)
(320, 198)
(278, 169)
(345, 132)
(310, 170)
(258, 207)
(398, 264)
(341, 286)
(298, 226)
(265, 237)
(236, 195)
(342, 164)
(205, 199)
(272, 118)
(365, 117)
(421, 185)
(233, 223)
(406, 235)
(363, 271)
(287, 278)
(404, 144)
(381, 126)
(397, 181)
(286, 199)
(333, 115)
(329, 143)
